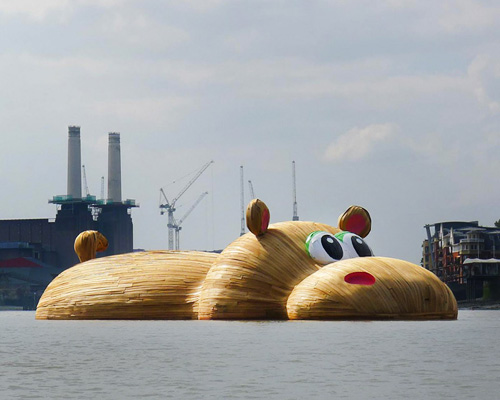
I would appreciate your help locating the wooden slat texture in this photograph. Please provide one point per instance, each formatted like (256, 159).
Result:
(254, 275)
(142, 285)
(402, 291)
(270, 276)
(88, 243)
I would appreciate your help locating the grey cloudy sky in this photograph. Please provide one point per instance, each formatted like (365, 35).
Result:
(390, 104)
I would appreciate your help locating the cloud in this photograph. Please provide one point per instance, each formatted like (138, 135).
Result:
(39, 10)
(34, 9)
(142, 31)
(468, 15)
(484, 73)
(446, 17)
(200, 6)
(376, 83)
(357, 143)
(165, 111)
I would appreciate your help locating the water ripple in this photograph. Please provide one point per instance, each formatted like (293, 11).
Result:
(248, 360)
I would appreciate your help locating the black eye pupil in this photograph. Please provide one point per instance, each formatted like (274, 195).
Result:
(361, 247)
(332, 247)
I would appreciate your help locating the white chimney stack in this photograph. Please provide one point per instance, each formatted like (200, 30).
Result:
(74, 163)
(114, 169)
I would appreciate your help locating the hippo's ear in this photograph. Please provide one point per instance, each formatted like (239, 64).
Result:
(102, 242)
(257, 217)
(88, 243)
(85, 245)
(356, 220)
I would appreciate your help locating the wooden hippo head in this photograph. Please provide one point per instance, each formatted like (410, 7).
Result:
(279, 271)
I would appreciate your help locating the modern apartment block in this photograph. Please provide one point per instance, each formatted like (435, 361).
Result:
(465, 256)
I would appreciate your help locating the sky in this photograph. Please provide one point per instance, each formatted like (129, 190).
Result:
(393, 105)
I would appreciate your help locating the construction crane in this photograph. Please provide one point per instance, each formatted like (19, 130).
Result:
(178, 225)
(295, 216)
(169, 206)
(242, 201)
(87, 193)
(252, 194)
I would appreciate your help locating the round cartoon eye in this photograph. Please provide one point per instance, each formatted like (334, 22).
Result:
(361, 247)
(355, 246)
(324, 247)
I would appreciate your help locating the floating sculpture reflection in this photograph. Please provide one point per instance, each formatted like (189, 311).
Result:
(287, 270)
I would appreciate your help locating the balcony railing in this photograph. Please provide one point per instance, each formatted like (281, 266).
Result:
(471, 240)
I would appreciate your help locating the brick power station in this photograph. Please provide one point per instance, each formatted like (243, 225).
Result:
(34, 251)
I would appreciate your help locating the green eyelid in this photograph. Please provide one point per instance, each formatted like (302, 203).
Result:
(309, 238)
(340, 235)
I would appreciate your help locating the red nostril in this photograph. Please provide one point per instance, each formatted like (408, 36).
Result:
(360, 278)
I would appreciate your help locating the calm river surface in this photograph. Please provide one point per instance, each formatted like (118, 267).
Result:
(250, 360)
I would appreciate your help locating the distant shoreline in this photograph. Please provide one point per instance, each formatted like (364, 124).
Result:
(11, 308)
(479, 305)
(462, 305)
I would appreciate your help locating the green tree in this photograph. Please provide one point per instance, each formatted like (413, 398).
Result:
(497, 223)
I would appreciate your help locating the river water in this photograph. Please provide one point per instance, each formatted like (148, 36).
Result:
(250, 360)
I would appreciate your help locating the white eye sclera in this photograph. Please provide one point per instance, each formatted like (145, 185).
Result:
(326, 248)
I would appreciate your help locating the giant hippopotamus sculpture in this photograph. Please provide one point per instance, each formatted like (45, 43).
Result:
(287, 270)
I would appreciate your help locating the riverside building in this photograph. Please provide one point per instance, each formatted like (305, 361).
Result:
(465, 256)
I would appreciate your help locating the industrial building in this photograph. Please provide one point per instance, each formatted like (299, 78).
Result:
(465, 256)
(34, 251)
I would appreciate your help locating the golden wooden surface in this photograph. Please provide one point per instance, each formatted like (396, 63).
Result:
(88, 243)
(264, 274)
(142, 285)
(402, 290)
(257, 217)
(254, 275)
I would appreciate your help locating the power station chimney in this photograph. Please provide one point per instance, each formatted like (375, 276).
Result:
(114, 169)
(74, 163)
